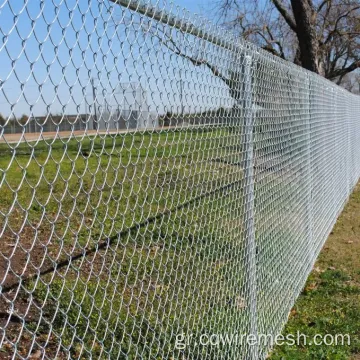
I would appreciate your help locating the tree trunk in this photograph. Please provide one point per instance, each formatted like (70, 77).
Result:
(306, 34)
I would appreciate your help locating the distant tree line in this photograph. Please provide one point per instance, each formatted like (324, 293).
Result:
(22, 120)
(208, 116)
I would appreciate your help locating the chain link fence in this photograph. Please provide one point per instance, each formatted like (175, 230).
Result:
(201, 212)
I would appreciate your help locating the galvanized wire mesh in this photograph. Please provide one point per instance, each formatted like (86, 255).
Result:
(161, 180)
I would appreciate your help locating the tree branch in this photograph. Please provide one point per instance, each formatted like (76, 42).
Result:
(343, 71)
(281, 54)
(170, 44)
(325, 2)
(284, 13)
(342, 16)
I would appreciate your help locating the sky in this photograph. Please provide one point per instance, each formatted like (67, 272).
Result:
(196, 6)
(51, 52)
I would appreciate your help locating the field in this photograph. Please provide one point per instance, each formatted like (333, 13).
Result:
(114, 244)
(329, 303)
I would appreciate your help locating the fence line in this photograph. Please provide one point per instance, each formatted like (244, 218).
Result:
(188, 187)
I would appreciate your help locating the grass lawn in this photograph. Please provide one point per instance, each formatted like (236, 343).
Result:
(330, 301)
(121, 243)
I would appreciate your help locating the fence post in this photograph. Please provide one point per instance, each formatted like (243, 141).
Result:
(349, 162)
(250, 245)
(335, 153)
(308, 182)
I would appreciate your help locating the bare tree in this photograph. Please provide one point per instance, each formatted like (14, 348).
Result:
(322, 36)
(195, 51)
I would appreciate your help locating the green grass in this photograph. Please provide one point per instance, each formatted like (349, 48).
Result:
(179, 272)
(330, 301)
(151, 292)
(171, 204)
(124, 180)
(160, 216)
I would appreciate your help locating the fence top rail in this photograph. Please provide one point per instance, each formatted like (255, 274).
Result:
(183, 24)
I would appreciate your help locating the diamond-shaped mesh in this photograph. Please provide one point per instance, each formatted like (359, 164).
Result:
(161, 182)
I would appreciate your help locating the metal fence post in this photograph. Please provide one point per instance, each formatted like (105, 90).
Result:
(335, 152)
(349, 162)
(249, 205)
(308, 182)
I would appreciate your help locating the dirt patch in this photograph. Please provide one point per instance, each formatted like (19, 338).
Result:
(27, 259)
(23, 257)
(25, 254)
(19, 316)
